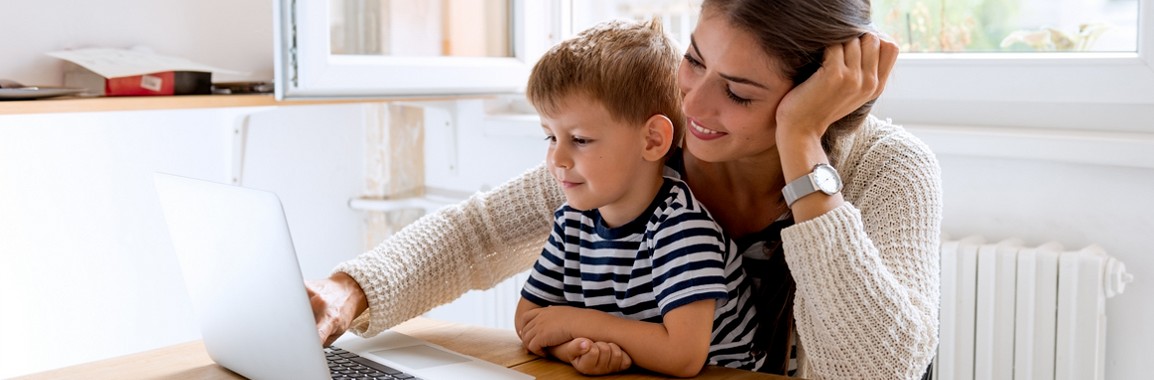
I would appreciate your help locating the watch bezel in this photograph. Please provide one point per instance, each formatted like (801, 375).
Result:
(828, 171)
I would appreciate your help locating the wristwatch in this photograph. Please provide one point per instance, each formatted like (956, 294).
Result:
(823, 178)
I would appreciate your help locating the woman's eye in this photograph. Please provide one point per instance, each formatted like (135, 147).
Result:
(735, 98)
(692, 61)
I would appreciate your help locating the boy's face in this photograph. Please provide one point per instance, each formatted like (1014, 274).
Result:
(597, 160)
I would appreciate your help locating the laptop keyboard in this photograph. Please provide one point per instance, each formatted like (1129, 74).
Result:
(347, 365)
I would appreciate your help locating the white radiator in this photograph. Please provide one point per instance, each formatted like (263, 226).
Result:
(1011, 311)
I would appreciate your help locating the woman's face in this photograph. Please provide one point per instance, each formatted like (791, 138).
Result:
(731, 88)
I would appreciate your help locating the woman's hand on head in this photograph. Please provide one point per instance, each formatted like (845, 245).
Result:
(851, 74)
(336, 302)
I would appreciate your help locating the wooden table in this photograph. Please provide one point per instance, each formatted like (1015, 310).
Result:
(190, 361)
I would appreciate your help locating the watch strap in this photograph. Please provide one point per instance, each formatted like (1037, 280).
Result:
(798, 188)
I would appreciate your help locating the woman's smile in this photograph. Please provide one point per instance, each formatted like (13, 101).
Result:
(703, 133)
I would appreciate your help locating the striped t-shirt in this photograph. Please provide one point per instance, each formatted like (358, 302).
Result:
(671, 255)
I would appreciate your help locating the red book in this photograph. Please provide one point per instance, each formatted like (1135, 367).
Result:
(163, 83)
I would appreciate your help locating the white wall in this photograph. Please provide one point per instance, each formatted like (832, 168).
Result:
(86, 271)
(234, 35)
(86, 268)
(1073, 187)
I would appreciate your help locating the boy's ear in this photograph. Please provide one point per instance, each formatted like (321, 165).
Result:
(658, 132)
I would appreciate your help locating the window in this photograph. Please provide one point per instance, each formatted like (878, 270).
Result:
(678, 17)
(420, 28)
(359, 48)
(960, 57)
(1010, 25)
(1018, 62)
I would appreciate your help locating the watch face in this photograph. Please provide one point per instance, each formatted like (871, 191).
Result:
(826, 179)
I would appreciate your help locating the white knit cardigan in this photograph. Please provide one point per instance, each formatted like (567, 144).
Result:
(867, 273)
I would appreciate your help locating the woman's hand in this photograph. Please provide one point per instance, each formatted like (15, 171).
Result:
(548, 326)
(336, 302)
(851, 74)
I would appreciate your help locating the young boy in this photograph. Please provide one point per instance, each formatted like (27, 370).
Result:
(635, 270)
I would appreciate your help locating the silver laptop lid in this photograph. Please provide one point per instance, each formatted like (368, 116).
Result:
(242, 274)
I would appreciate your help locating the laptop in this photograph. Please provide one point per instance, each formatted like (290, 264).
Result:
(242, 274)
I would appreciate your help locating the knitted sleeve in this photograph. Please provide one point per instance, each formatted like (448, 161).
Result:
(867, 273)
(474, 244)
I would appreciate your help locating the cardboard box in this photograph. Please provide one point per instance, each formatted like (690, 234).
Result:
(160, 83)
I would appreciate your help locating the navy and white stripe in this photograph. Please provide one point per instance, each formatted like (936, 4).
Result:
(672, 255)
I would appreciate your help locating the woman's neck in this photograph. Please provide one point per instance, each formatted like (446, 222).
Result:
(743, 195)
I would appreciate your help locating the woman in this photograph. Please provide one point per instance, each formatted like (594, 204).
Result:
(773, 91)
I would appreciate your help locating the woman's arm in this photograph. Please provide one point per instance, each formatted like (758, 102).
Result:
(851, 74)
(471, 245)
(865, 261)
(867, 273)
(679, 346)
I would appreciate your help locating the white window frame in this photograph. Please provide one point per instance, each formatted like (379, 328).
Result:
(928, 84)
(304, 68)
(923, 84)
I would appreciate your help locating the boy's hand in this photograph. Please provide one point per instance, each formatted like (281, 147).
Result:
(593, 358)
(548, 326)
(602, 359)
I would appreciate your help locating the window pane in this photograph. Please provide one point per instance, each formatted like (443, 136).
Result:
(1010, 25)
(426, 28)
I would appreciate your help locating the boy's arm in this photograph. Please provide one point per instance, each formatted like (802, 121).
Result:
(523, 306)
(679, 346)
(606, 360)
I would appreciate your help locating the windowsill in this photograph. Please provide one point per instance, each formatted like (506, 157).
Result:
(144, 103)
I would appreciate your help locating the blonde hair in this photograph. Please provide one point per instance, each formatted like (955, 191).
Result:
(629, 67)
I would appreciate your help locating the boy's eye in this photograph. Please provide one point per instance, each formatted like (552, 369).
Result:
(551, 139)
(581, 141)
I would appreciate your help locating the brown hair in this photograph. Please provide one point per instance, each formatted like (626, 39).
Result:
(795, 33)
(630, 67)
